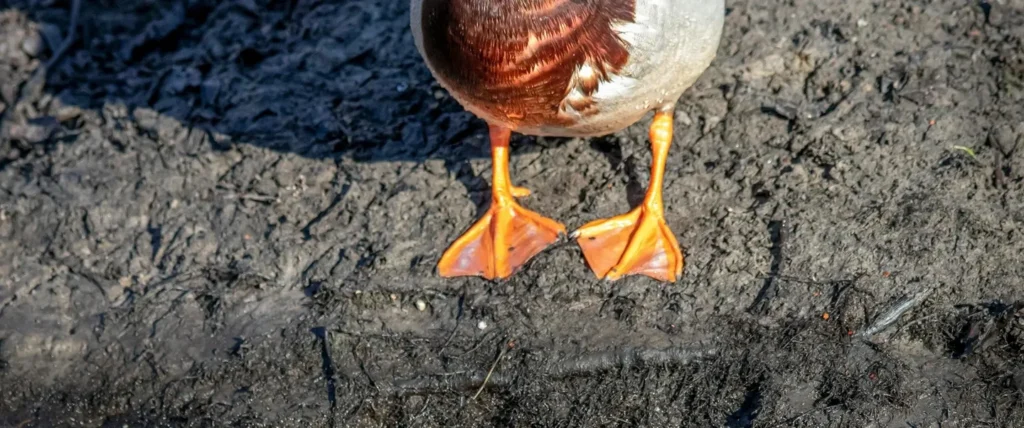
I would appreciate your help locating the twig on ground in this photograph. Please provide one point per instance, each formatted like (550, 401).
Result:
(255, 197)
(888, 318)
(491, 371)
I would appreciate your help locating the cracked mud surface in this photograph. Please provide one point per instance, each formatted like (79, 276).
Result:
(228, 213)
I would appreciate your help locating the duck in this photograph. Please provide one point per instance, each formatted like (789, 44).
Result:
(574, 69)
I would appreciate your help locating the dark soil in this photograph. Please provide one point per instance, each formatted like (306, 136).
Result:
(229, 213)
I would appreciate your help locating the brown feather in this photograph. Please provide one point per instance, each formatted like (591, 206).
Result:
(519, 59)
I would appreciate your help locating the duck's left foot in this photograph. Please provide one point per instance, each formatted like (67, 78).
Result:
(508, 235)
(636, 243)
(501, 242)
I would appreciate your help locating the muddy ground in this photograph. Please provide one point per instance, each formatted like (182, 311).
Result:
(229, 213)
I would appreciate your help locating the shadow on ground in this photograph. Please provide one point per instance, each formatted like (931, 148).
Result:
(319, 79)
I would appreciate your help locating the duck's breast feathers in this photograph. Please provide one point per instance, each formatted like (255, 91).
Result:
(530, 61)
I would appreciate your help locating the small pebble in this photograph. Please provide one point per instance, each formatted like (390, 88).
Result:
(482, 325)
(421, 305)
(683, 119)
(33, 44)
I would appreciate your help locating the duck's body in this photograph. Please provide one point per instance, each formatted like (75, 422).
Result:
(492, 56)
(572, 68)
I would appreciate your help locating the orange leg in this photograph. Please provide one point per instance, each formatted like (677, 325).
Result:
(508, 235)
(638, 242)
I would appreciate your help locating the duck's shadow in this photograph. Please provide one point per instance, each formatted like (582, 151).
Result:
(623, 160)
(324, 80)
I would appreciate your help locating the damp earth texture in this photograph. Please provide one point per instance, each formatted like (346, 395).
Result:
(230, 214)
